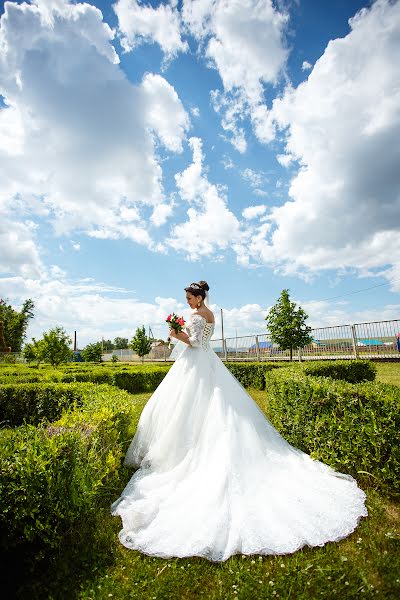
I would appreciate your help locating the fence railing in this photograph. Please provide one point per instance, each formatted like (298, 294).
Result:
(377, 339)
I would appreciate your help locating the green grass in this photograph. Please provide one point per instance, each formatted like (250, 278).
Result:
(388, 372)
(93, 564)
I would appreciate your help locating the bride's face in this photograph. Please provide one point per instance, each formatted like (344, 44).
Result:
(193, 301)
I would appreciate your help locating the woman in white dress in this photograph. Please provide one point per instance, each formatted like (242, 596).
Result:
(214, 478)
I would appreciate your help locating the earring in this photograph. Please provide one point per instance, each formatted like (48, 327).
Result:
(199, 303)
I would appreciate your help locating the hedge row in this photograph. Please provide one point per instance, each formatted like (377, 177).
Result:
(53, 474)
(355, 428)
(30, 403)
(133, 380)
(353, 371)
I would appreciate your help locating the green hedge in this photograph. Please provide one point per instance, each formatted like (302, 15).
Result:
(53, 474)
(134, 379)
(353, 371)
(251, 374)
(33, 402)
(355, 428)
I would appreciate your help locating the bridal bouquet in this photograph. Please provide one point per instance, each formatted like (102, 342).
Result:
(175, 322)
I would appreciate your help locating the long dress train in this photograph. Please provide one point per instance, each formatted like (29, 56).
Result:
(214, 477)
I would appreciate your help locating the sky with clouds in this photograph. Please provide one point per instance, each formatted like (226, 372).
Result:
(250, 143)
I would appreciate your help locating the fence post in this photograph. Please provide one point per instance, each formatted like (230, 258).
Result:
(300, 354)
(353, 334)
(225, 349)
(257, 349)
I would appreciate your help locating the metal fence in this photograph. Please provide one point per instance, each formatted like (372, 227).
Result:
(378, 339)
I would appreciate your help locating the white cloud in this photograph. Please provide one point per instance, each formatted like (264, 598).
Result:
(139, 24)
(232, 108)
(227, 162)
(343, 125)
(260, 193)
(211, 226)
(161, 213)
(75, 135)
(19, 252)
(306, 66)
(251, 212)
(255, 178)
(195, 111)
(284, 159)
(165, 113)
(93, 309)
(244, 41)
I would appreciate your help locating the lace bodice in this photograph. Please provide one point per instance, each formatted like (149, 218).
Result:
(200, 332)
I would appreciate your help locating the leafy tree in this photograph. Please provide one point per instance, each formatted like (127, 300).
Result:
(121, 343)
(34, 351)
(92, 352)
(140, 343)
(53, 348)
(107, 345)
(286, 324)
(114, 358)
(15, 323)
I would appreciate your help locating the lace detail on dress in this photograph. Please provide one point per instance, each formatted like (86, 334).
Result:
(199, 332)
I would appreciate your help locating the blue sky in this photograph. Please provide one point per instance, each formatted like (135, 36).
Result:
(250, 143)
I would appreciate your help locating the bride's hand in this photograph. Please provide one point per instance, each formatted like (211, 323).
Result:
(172, 333)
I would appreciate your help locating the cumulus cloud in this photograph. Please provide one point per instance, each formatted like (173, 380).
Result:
(140, 23)
(343, 125)
(162, 103)
(306, 66)
(244, 41)
(19, 252)
(211, 226)
(251, 212)
(77, 139)
(93, 309)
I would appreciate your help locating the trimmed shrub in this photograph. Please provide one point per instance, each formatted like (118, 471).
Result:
(33, 402)
(355, 428)
(251, 374)
(53, 474)
(353, 371)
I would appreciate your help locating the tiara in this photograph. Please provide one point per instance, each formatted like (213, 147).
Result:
(196, 285)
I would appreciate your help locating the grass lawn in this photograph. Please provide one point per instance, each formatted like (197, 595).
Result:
(388, 372)
(93, 565)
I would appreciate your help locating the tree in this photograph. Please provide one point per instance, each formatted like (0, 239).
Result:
(121, 343)
(140, 343)
(34, 351)
(107, 345)
(92, 352)
(53, 348)
(15, 323)
(286, 324)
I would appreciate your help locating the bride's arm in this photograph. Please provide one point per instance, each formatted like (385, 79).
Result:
(196, 331)
(182, 336)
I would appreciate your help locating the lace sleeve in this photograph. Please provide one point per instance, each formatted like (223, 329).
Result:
(196, 330)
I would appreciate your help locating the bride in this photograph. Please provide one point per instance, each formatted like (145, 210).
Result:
(214, 478)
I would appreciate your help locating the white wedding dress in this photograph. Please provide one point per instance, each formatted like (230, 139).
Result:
(214, 477)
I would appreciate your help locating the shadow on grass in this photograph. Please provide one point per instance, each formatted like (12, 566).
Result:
(36, 572)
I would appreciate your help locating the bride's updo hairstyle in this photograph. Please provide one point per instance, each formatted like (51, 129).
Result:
(198, 289)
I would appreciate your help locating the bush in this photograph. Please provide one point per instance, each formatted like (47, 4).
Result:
(251, 374)
(355, 428)
(353, 371)
(53, 474)
(33, 402)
